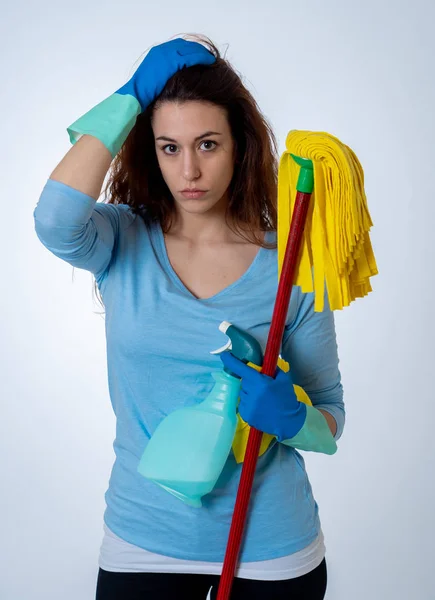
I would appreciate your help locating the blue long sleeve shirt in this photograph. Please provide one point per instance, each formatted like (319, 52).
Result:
(159, 337)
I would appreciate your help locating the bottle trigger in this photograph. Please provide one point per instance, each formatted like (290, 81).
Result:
(227, 346)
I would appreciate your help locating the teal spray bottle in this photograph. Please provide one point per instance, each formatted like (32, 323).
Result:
(189, 448)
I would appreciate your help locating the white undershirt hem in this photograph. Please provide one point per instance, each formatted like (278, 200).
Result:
(121, 556)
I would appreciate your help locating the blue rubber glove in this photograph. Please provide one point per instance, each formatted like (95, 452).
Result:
(111, 120)
(270, 405)
(160, 64)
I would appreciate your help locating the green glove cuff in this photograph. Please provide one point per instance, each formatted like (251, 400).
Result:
(315, 434)
(110, 121)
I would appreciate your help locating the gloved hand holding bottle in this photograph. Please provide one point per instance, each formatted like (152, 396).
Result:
(112, 119)
(271, 406)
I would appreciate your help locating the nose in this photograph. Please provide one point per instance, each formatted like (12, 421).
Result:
(191, 170)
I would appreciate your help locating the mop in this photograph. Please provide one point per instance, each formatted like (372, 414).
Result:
(322, 237)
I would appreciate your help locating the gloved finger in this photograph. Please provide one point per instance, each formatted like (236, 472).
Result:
(281, 375)
(200, 52)
(237, 366)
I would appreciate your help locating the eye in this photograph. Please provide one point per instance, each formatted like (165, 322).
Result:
(164, 148)
(209, 142)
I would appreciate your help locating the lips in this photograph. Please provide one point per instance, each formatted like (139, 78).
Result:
(193, 193)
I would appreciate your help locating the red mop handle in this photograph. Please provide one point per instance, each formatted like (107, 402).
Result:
(273, 348)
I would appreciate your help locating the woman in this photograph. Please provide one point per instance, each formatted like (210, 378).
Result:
(187, 240)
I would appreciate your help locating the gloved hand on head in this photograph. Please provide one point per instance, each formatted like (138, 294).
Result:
(112, 119)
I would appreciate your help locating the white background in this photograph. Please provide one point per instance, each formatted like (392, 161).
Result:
(363, 71)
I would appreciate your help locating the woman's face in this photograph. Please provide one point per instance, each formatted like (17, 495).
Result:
(195, 150)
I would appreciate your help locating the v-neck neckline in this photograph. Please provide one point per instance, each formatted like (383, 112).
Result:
(257, 260)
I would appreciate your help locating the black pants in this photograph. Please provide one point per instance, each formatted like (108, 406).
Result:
(174, 586)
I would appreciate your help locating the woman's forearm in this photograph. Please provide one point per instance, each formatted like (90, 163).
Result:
(332, 423)
(84, 166)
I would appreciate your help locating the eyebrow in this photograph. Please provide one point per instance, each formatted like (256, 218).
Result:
(206, 134)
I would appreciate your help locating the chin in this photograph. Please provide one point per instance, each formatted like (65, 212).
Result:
(197, 205)
(196, 208)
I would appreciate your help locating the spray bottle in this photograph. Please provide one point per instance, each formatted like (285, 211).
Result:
(189, 448)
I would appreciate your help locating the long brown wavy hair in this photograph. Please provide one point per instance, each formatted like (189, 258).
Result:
(135, 178)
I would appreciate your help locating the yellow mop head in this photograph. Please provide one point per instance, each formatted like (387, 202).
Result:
(336, 247)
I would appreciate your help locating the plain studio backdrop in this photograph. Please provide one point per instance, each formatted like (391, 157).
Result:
(363, 71)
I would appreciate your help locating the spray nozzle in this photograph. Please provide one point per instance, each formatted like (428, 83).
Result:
(243, 345)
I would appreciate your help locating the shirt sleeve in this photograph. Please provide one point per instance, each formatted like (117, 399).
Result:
(310, 348)
(77, 229)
